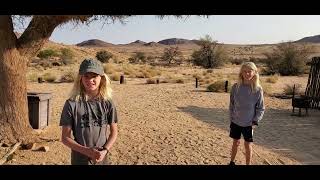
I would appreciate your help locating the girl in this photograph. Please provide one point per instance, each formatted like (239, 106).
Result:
(87, 114)
(246, 109)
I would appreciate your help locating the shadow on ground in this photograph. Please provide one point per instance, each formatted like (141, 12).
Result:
(298, 137)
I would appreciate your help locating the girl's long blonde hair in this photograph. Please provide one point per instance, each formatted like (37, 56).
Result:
(255, 82)
(78, 90)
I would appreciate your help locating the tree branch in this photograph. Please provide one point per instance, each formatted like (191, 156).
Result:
(39, 31)
(7, 37)
(5, 157)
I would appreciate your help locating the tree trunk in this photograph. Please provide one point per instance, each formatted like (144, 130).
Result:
(14, 122)
(14, 54)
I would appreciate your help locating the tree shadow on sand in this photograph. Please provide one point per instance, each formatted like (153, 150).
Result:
(298, 137)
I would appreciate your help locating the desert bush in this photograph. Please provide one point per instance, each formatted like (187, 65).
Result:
(288, 89)
(109, 68)
(153, 72)
(32, 77)
(140, 75)
(150, 59)
(172, 55)
(197, 75)
(210, 54)
(208, 81)
(49, 77)
(237, 61)
(46, 53)
(45, 64)
(146, 74)
(164, 81)
(104, 56)
(132, 76)
(68, 77)
(210, 71)
(181, 81)
(208, 76)
(116, 60)
(128, 71)
(151, 81)
(273, 78)
(67, 56)
(68, 61)
(287, 59)
(267, 88)
(138, 57)
(115, 77)
(218, 86)
(204, 73)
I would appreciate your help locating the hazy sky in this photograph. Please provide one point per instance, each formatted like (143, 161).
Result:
(235, 29)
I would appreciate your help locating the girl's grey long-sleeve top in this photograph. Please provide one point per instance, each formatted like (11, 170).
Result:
(246, 107)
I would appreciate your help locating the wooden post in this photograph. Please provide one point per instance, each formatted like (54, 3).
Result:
(122, 79)
(293, 90)
(196, 82)
(39, 79)
(226, 86)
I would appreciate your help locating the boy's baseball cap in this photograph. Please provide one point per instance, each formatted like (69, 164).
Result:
(91, 65)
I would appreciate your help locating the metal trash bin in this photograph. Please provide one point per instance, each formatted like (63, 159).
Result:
(39, 109)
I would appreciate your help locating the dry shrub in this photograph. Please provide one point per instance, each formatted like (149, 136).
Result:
(164, 81)
(109, 68)
(140, 75)
(181, 81)
(32, 77)
(198, 76)
(151, 81)
(68, 77)
(49, 77)
(115, 76)
(218, 86)
(273, 79)
(210, 71)
(45, 64)
(288, 89)
(267, 89)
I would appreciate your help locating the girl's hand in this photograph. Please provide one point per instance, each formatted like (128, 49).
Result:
(93, 153)
(103, 154)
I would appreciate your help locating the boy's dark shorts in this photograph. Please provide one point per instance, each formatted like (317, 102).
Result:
(236, 131)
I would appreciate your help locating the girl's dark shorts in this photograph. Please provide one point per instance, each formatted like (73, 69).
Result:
(236, 131)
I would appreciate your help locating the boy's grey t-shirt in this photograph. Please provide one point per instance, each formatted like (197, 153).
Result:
(246, 106)
(89, 120)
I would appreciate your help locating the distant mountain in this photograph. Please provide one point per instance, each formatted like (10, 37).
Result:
(94, 42)
(152, 44)
(175, 41)
(138, 42)
(310, 39)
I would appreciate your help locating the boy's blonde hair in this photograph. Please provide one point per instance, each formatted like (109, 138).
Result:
(255, 85)
(78, 90)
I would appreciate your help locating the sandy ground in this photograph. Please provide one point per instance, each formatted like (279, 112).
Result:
(178, 124)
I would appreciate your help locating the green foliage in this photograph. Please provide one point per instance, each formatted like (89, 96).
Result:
(104, 56)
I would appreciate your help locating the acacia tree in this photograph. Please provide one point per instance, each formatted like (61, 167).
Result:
(210, 54)
(172, 55)
(14, 55)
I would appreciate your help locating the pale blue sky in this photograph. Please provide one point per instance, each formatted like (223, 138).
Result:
(235, 29)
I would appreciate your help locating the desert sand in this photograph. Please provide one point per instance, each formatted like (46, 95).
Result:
(178, 124)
